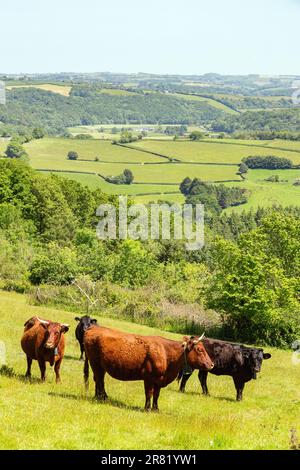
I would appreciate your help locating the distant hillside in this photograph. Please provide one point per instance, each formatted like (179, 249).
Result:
(88, 105)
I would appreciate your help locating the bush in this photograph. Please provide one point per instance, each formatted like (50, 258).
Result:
(83, 136)
(15, 150)
(124, 178)
(72, 155)
(55, 266)
(269, 162)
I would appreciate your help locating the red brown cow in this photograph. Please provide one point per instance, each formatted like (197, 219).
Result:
(44, 341)
(155, 360)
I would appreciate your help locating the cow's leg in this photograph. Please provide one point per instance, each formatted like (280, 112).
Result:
(184, 380)
(156, 392)
(42, 366)
(29, 362)
(57, 369)
(239, 386)
(82, 351)
(86, 374)
(203, 381)
(148, 394)
(100, 393)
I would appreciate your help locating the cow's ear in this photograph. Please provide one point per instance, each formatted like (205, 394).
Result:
(64, 328)
(93, 320)
(267, 355)
(77, 318)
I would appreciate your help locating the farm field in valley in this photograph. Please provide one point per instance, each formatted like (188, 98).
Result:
(159, 178)
(216, 151)
(262, 421)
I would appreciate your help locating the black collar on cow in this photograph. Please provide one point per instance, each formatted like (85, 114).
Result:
(187, 369)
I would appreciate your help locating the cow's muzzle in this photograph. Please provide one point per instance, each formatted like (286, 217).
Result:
(49, 346)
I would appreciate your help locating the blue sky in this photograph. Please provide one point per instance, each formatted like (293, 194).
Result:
(158, 36)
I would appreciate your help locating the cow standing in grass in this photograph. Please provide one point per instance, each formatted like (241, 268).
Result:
(84, 323)
(240, 362)
(44, 341)
(155, 360)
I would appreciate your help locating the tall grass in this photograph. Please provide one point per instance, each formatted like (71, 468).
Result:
(48, 416)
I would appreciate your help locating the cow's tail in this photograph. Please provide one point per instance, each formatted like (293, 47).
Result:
(86, 373)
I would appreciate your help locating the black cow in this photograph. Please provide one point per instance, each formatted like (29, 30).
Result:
(240, 362)
(84, 323)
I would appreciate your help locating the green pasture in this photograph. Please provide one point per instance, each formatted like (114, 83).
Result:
(37, 415)
(264, 193)
(94, 182)
(210, 101)
(44, 153)
(217, 151)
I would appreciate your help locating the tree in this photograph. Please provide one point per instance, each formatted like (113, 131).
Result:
(196, 135)
(254, 288)
(72, 155)
(54, 265)
(128, 176)
(185, 185)
(243, 170)
(38, 133)
(15, 150)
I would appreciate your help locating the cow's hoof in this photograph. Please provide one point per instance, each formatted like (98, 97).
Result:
(155, 410)
(101, 397)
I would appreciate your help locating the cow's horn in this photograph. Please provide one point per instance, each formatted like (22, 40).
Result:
(43, 321)
(196, 341)
(65, 324)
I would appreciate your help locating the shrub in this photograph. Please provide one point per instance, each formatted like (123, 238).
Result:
(55, 266)
(269, 162)
(72, 155)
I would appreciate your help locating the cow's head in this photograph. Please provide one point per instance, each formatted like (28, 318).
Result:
(85, 322)
(196, 354)
(53, 332)
(253, 358)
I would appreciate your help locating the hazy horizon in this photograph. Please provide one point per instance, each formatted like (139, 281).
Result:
(228, 38)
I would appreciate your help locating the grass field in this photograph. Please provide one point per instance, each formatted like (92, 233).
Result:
(49, 416)
(53, 151)
(50, 154)
(210, 101)
(3, 145)
(151, 129)
(212, 151)
(60, 89)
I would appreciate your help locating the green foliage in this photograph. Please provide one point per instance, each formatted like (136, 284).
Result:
(261, 121)
(83, 136)
(15, 150)
(255, 284)
(196, 135)
(56, 266)
(269, 162)
(214, 197)
(38, 133)
(53, 112)
(134, 265)
(243, 169)
(72, 155)
(125, 178)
